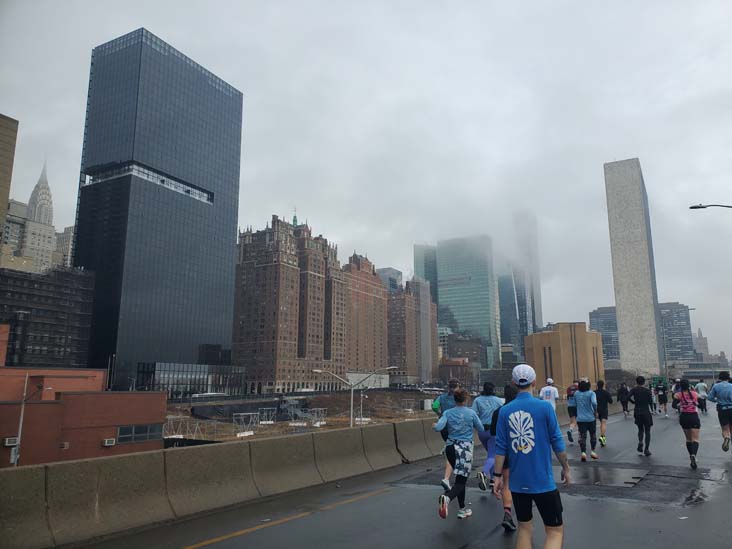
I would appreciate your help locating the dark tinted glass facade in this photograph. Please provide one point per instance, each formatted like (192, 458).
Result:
(158, 204)
(678, 341)
(605, 321)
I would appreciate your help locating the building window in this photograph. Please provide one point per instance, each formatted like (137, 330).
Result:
(139, 433)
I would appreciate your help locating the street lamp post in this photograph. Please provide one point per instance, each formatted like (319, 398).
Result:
(353, 385)
(705, 206)
(26, 396)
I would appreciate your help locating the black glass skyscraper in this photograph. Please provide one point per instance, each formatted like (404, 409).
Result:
(158, 204)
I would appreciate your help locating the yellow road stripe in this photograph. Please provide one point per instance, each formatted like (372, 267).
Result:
(246, 531)
(284, 520)
(353, 500)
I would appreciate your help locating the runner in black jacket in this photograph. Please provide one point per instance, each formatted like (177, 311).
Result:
(643, 400)
(603, 409)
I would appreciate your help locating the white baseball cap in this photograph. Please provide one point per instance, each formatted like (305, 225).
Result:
(523, 375)
(550, 381)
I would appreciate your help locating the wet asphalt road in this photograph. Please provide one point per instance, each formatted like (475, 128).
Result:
(623, 500)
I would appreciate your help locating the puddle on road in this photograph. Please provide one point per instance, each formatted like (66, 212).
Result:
(602, 476)
(696, 497)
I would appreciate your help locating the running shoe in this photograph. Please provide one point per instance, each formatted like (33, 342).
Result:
(508, 524)
(445, 484)
(444, 501)
(603, 440)
(594, 455)
(584, 456)
(693, 462)
(640, 447)
(569, 436)
(647, 452)
(482, 481)
(666, 416)
(725, 444)
(464, 513)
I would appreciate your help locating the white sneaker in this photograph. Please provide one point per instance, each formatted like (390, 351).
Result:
(464, 513)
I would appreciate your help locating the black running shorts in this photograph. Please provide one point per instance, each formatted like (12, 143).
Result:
(662, 399)
(602, 414)
(644, 419)
(549, 505)
(444, 434)
(572, 411)
(725, 416)
(689, 420)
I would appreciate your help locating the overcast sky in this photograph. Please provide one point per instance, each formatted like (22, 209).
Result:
(389, 123)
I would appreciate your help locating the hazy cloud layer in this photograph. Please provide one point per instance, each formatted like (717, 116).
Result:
(387, 123)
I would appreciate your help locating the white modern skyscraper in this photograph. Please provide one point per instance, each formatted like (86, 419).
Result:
(634, 272)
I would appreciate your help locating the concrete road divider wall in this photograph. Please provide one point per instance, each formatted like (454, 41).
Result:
(339, 454)
(202, 478)
(379, 443)
(90, 498)
(23, 523)
(562, 414)
(281, 464)
(432, 438)
(410, 440)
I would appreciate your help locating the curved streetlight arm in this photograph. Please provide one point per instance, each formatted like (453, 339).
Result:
(373, 373)
(705, 206)
(334, 375)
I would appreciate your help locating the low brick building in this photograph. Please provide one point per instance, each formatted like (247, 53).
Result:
(69, 415)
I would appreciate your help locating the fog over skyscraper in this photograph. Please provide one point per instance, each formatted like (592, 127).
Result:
(468, 291)
(527, 236)
(158, 204)
(634, 272)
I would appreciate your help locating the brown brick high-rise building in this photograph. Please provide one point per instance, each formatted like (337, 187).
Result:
(413, 334)
(367, 319)
(291, 309)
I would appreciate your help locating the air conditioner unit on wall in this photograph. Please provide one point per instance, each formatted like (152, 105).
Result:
(64, 445)
(10, 441)
(109, 442)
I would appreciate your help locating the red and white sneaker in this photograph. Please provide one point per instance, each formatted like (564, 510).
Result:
(444, 501)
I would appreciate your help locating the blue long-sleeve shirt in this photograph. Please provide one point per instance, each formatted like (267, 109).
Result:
(586, 402)
(526, 434)
(721, 393)
(460, 422)
(484, 406)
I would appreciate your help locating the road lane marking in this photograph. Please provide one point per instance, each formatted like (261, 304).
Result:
(284, 520)
(354, 499)
(246, 531)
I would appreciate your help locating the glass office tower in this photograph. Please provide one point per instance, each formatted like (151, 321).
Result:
(158, 204)
(467, 291)
(425, 267)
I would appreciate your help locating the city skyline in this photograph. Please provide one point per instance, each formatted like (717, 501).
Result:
(410, 167)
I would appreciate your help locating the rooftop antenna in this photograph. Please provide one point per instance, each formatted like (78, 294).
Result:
(294, 217)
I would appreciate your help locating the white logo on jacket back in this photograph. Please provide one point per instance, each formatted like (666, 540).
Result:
(521, 431)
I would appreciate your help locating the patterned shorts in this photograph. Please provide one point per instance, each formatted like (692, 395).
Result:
(463, 457)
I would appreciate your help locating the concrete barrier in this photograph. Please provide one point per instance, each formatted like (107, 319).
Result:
(202, 478)
(410, 440)
(379, 444)
(95, 497)
(432, 438)
(562, 414)
(23, 521)
(284, 463)
(339, 453)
